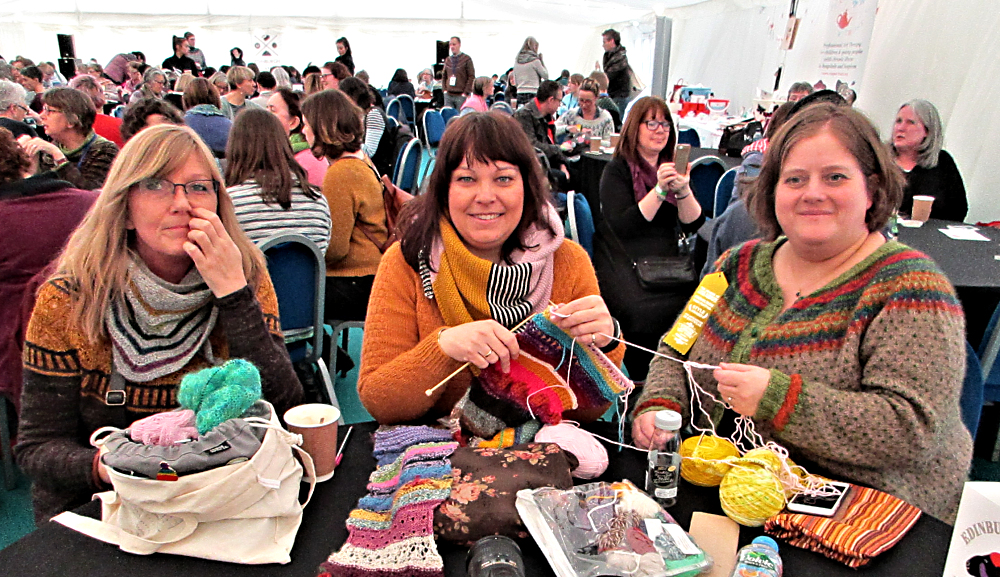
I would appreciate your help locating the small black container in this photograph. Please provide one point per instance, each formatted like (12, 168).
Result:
(495, 556)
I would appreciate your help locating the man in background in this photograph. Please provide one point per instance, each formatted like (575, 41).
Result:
(617, 68)
(13, 109)
(31, 80)
(267, 83)
(799, 90)
(459, 73)
(194, 53)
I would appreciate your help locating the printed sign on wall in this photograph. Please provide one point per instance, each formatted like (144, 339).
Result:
(848, 32)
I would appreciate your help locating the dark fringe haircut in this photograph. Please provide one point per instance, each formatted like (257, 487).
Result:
(479, 137)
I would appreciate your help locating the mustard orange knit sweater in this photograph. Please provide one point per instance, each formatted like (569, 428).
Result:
(400, 358)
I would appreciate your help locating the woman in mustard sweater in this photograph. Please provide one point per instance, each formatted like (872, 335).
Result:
(332, 126)
(482, 250)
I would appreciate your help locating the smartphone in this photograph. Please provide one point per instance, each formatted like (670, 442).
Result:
(681, 155)
(824, 506)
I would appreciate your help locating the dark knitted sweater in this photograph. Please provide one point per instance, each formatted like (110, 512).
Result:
(87, 166)
(866, 372)
(66, 378)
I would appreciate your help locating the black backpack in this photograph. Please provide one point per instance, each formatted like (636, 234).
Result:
(393, 140)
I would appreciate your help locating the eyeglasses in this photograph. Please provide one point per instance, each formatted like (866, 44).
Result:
(21, 106)
(652, 125)
(325, 74)
(586, 100)
(162, 188)
(47, 110)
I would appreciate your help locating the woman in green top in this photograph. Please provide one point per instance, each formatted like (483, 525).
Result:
(77, 154)
(285, 104)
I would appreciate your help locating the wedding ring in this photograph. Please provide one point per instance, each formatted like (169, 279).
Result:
(593, 338)
(488, 353)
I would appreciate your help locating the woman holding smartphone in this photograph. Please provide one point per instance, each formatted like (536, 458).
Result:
(645, 203)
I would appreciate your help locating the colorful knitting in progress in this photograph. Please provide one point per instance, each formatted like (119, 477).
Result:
(391, 533)
(553, 374)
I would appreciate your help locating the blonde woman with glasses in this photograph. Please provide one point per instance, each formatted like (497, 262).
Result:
(157, 282)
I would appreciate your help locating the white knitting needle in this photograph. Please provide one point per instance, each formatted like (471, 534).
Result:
(431, 390)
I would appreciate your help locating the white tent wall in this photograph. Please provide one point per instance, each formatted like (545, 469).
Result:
(938, 50)
(378, 46)
(944, 52)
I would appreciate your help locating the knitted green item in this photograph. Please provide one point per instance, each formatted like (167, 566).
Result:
(221, 393)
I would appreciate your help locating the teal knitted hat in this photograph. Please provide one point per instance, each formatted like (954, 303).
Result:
(217, 394)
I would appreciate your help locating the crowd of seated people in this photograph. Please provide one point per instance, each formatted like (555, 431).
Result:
(189, 171)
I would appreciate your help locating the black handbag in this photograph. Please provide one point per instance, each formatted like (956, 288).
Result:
(661, 273)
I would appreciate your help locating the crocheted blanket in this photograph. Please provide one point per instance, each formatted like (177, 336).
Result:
(391, 533)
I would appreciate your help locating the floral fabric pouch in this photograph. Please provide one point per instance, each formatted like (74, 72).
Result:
(485, 485)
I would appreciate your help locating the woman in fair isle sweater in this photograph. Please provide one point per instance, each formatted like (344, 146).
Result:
(157, 281)
(843, 347)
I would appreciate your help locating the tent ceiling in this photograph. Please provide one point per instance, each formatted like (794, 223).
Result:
(578, 12)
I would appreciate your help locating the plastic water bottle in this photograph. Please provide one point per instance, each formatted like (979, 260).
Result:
(758, 559)
(663, 469)
(495, 556)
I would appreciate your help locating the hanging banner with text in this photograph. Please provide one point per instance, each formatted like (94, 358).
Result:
(847, 36)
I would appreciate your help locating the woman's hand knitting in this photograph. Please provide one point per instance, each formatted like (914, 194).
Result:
(586, 319)
(481, 343)
(214, 253)
(742, 386)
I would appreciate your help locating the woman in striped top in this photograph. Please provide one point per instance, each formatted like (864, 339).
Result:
(270, 190)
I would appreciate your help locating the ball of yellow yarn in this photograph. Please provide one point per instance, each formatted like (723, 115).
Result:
(703, 459)
(750, 492)
(774, 462)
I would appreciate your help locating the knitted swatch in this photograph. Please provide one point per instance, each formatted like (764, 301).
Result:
(391, 533)
(543, 382)
(217, 394)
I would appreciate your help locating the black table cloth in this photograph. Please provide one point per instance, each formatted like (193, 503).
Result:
(969, 265)
(58, 551)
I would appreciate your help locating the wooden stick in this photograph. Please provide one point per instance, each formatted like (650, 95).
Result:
(431, 390)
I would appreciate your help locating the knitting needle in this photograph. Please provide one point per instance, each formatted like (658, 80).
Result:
(340, 451)
(431, 390)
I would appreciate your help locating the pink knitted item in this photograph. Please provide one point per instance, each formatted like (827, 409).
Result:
(164, 429)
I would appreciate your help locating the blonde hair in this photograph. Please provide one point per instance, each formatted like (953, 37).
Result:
(97, 255)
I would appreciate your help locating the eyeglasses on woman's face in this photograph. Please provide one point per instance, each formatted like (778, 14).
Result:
(652, 125)
(163, 189)
(46, 109)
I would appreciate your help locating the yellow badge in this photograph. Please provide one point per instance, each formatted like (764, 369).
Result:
(691, 321)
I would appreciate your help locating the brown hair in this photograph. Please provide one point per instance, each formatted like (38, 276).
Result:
(76, 106)
(601, 79)
(14, 161)
(336, 123)
(258, 150)
(340, 71)
(479, 137)
(628, 144)
(136, 115)
(590, 85)
(200, 91)
(293, 100)
(312, 83)
(884, 180)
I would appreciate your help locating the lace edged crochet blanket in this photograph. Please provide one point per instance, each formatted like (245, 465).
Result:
(391, 533)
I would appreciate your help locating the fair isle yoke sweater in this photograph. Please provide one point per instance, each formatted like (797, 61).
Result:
(866, 372)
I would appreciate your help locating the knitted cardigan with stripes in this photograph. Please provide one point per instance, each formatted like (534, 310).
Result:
(866, 373)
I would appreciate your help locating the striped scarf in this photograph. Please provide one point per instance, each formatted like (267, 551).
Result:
(469, 288)
(866, 525)
(159, 326)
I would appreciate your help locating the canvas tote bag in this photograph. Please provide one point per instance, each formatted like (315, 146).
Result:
(246, 512)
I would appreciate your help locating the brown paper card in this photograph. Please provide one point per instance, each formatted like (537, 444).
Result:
(718, 536)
